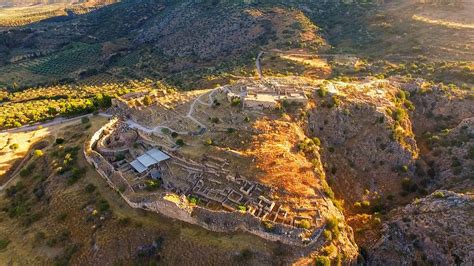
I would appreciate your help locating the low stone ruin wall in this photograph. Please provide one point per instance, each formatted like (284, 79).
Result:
(222, 221)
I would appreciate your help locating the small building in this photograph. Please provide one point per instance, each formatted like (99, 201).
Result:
(148, 159)
(260, 101)
(261, 97)
(296, 97)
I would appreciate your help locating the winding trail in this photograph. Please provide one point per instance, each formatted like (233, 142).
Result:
(157, 129)
(135, 125)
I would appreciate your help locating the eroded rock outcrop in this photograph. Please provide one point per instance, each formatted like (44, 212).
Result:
(434, 230)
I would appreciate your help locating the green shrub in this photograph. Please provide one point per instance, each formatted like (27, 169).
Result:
(322, 261)
(328, 250)
(404, 168)
(193, 200)
(85, 120)
(322, 92)
(269, 227)
(103, 205)
(328, 191)
(90, 188)
(38, 153)
(28, 170)
(309, 145)
(119, 157)
(180, 142)
(235, 101)
(332, 224)
(316, 141)
(4, 243)
(327, 234)
(399, 114)
(438, 194)
(306, 224)
(152, 185)
(409, 105)
(14, 146)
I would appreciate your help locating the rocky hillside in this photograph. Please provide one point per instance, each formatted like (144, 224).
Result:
(13, 3)
(434, 230)
(387, 143)
(369, 146)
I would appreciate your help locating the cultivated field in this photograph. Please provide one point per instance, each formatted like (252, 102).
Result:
(18, 16)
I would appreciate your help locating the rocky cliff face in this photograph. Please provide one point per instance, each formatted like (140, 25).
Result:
(367, 138)
(437, 229)
(385, 143)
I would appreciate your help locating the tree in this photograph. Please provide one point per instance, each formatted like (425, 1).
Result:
(180, 142)
(102, 101)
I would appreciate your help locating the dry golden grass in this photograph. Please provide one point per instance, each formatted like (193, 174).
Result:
(24, 140)
(19, 16)
(275, 154)
(442, 22)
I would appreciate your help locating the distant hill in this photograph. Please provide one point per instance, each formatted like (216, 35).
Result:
(18, 3)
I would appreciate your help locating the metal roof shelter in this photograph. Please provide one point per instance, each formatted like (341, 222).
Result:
(139, 167)
(158, 155)
(148, 159)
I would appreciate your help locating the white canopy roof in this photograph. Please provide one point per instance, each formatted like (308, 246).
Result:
(148, 159)
(139, 167)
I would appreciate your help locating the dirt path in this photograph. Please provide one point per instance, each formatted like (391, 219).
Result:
(159, 128)
(198, 99)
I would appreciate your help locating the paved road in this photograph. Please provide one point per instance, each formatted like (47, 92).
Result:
(56, 121)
